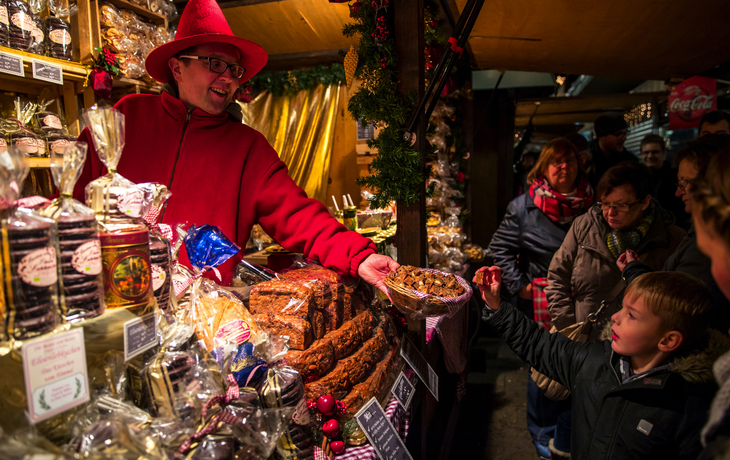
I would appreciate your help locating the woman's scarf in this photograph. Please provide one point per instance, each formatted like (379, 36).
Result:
(558, 207)
(620, 241)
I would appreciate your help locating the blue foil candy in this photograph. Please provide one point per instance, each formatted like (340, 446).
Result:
(245, 362)
(207, 245)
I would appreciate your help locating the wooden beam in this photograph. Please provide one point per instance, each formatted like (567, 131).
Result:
(577, 104)
(291, 61)
(228, 3)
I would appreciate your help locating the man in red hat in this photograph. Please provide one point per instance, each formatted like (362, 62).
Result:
(220, 171)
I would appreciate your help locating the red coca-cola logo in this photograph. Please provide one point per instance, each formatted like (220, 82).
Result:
(693, 102)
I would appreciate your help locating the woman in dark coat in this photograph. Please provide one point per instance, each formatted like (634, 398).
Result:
(524, 244)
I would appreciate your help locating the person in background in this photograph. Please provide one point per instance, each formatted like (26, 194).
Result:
(715, 122)
(693, 161)
(654, 155)
(583, 147)
(532, 230)
(523, 170)
(711, 216)
(607, 149)
(643, 391)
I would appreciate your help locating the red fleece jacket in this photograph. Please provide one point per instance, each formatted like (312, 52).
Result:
(224, 173)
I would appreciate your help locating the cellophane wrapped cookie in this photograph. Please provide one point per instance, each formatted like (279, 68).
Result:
(78, 240)
(156, 196)
(25, 28)
(58, 38)
(28, 251)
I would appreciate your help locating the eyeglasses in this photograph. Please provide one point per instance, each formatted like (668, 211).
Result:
(620, 207)
(622, 133)
(567, 161)
(682, 184)
(219, 65)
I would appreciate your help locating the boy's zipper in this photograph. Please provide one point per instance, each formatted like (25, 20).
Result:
(177, 157)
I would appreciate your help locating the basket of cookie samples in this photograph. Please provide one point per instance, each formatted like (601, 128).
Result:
(420, 293)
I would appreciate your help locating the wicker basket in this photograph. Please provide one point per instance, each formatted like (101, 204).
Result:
(418, 306)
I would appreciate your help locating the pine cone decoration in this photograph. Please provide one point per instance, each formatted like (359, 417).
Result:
(350, 65)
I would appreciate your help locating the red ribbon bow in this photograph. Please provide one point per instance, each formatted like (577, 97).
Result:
(180, 286)
(29, 202)
(151, 218)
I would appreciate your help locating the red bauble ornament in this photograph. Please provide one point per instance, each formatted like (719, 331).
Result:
(434, 23)
(337, 447)
(326, 405)
(331, 428)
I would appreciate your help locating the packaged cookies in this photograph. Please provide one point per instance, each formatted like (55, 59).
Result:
(25, 29)
(58, 38)
(78, 240)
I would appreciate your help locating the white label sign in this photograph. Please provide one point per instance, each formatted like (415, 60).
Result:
(87, 258)
(140, 334)
(11, 64)
(130, 203)
(55, 374)
(39, 267)
(46, 71)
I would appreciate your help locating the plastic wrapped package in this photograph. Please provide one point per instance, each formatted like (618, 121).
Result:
(28, 251)
(57, 143)
(110, 17)
(156, 196)
(29, 446)
(26, 142)
(60, 8)
(25, 28)
(79, 245)
(43, 120)
(4, 23)
(131, 65)
(58, 38)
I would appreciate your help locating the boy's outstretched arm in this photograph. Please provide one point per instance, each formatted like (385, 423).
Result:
(554, 355)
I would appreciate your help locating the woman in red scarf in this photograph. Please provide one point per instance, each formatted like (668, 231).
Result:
(532, 231)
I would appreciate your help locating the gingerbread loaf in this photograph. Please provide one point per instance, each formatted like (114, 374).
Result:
(296, 328)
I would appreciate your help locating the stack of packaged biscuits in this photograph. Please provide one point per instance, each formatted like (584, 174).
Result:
(28, 251)
(156, 196)
(58, 38)
(78, 240)
(4, 23)
(25, 28)
(118, 203)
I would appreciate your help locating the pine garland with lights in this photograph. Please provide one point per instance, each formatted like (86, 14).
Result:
(397, 168)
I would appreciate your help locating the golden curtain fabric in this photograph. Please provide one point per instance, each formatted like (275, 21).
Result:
(301, 128)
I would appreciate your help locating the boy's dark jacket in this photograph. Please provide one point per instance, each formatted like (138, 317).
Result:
(659, 415)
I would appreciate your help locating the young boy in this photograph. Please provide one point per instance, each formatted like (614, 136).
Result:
(645, 393)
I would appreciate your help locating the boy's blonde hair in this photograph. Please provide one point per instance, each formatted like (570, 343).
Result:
(681, 302)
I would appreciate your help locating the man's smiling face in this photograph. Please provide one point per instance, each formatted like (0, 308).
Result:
(200, 87)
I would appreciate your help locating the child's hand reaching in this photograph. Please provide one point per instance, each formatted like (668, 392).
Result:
(489, 287)
(625, 258)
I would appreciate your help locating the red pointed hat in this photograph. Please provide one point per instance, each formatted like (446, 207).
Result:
(202, 21)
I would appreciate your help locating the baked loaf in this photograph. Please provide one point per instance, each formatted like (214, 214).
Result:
(377, 384)
(437, 284)
(281, 297)
(296, 328)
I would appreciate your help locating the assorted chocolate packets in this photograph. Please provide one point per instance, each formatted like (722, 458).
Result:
(79, 247)
(118, 204)
(28, 253)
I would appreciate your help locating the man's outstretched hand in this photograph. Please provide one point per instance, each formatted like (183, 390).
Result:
(375, 268)
(489, 288)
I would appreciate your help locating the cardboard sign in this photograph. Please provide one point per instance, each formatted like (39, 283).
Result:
(55, 374)
(140, 334)
(46, 71)
(418, 363)
(11, 64)
(690, 100)
(381, 433)
(403, 390)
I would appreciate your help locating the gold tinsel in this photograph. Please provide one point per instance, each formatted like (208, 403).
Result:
(371, 79)
(350, 65)
(292, 79)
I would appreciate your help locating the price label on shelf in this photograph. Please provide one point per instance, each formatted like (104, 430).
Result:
(418, 363)
(11, 64)
(403, 390)
(381, 433)
(46, 71)
(55, 374)
(140, 334)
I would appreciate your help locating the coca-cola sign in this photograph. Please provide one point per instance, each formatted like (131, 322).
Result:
(689, 101)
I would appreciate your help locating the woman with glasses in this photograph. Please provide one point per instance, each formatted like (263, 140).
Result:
(532, 230)
(692, 163)
(583, 272)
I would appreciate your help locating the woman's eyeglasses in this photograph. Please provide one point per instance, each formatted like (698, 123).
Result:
(219, 65)
(620, 207)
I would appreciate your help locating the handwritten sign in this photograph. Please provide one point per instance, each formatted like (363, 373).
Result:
(46, 71)
(11, 64)
(418, 363)
(381, 433)
(55, 374)
(140, 334)
(403, 390)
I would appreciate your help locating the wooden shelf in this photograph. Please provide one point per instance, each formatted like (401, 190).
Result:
(39, 162)
(72, 71)
(156, 18)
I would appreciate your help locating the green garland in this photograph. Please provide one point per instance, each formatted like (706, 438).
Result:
(397, 169)
(289, 82)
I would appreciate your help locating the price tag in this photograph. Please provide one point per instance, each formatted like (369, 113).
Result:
(46, 71)
(403, 390)
(381, 433)
(11, 64)
(418, 363)
(55, 374)
(140, 334)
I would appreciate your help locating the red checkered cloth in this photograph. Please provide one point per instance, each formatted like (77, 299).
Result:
(398, 417)
(540, 303)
